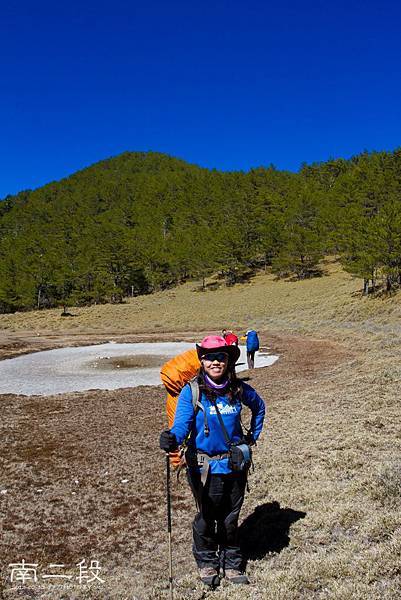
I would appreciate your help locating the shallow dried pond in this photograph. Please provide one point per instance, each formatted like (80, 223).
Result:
(105, 366)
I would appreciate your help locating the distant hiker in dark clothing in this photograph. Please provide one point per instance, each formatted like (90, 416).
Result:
(252, 345)
(217, 456)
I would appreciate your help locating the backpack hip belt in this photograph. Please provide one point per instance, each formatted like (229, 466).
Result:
(203, 456)
(202, 460)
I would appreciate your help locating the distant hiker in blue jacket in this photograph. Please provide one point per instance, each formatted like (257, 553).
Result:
(217, 456)
(252, 345)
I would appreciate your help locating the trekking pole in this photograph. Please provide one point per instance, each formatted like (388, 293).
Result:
(170, 549)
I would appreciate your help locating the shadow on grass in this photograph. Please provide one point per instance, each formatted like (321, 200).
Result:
(267, 530)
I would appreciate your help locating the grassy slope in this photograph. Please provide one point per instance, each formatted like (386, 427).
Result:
(328, 474)
(330, 304)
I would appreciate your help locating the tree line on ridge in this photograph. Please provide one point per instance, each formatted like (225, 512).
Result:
(141, 222)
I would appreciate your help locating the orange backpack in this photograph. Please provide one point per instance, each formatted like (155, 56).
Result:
(174, 374)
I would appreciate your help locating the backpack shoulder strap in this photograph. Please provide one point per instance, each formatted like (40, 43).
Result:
(194, 385)
(197, 404)
(220, 418)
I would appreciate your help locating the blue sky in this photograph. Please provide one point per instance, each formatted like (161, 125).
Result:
(224, 84)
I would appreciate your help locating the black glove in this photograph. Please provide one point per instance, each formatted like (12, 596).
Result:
(168, 441)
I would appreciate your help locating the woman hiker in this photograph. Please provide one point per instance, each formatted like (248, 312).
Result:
(216, 461)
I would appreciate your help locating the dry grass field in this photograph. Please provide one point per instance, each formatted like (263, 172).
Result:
(82, 476)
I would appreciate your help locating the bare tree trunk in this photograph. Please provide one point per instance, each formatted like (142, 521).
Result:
(373, 279)
(365, 287)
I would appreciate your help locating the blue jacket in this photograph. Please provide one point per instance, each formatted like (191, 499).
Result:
(215, 443)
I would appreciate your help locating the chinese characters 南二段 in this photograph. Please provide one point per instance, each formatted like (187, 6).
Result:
(24, 572)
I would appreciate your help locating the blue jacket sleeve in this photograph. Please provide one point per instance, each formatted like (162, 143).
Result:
(251, 399)
(184, 414)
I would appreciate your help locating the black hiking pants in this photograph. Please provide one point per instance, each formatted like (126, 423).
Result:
(215, 527)
(250, 355)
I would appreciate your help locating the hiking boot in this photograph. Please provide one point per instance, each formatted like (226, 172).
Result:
(209, 576)
(235, 576)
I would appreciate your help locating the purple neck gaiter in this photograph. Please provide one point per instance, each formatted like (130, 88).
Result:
(214, 385)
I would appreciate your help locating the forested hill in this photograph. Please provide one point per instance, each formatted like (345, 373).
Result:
(142, 221)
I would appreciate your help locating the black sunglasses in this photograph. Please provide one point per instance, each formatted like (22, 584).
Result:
(219, 356)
